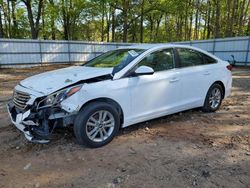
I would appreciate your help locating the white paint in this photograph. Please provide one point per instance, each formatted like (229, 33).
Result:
(52, 81)
(141, 97)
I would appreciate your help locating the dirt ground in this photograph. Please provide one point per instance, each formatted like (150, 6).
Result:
(188, 149)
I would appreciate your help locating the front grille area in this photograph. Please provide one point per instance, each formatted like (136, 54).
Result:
(20, 99)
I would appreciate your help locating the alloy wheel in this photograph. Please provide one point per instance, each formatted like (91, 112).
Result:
(215, 98)
(100, 126)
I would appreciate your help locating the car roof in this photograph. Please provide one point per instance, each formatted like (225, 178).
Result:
(168, 45)
(156, 45)
(144, 46)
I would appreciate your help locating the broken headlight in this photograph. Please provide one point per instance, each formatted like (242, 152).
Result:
(59, 96)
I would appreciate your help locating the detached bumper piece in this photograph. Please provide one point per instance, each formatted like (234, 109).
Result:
(23, 121)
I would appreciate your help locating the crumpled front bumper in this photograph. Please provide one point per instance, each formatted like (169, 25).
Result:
(21, 123)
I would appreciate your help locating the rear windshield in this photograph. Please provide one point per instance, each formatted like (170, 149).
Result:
(117, 59)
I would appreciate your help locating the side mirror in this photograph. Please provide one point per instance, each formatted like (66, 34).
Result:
(144, 70)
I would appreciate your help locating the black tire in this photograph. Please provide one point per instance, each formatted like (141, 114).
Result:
(83, 116)
(207, 107)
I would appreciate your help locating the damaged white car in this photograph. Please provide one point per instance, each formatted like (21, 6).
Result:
(117, 89)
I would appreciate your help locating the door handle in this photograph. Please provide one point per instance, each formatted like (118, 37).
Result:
(174, 80)
(206, 73)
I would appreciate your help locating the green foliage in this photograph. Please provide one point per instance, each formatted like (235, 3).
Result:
(126, 20)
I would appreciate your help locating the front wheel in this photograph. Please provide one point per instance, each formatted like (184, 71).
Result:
(213, 98)
(96, 124)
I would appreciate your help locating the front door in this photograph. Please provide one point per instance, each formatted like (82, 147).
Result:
(157, 94)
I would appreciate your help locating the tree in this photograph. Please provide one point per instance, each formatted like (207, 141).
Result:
(125, 7)
(34, 24)
(124, 20)
(13, 13)
(1, 23)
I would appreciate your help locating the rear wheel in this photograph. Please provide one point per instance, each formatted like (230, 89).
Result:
(96, 124)
(213, 98)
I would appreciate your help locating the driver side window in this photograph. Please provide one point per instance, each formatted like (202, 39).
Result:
(159, 61)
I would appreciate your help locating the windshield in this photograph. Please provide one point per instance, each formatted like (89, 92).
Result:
(117, 59)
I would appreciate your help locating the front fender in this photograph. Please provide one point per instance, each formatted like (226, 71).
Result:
(117, 91)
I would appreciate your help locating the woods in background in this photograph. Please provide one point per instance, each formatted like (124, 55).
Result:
(124, 20)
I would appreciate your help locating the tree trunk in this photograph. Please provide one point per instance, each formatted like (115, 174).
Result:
(190, 26)
(133, 31)
(151, 23)
(113, 24)
(43, 24)
(30, 17)
(168, 37)
(108, 19)
(6, 23)
(231, 21)
(248, 28)
(181, 27)
(125, 20)
(9, 18)
(187, 5)
(15, 26)
(205, 26)
(39, 11)
(228, 18)
(65, 21)
(34, 26)
(1, 24)
(158, 21)
(235, 18)
(199, 25)
(103, 14)
(52, 22)
(244, 17)
(108, 27)
(141, 21)
(178, 28)
(246, 13)
(217, 19)
(196, 20)
(208, 20)
(240, 24)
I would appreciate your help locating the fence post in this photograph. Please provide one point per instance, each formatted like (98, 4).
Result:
(69, 56)
(93, 49)
(40, 50)
(248, 50)
(214, 43)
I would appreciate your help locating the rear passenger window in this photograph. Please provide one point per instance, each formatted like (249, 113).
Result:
(189, 57)
(208, 60)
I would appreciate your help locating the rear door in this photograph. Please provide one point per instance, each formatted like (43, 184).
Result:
(195, 74)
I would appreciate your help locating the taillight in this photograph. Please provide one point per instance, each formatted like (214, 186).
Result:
(230, 67)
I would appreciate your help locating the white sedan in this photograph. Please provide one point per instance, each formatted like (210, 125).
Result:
(117, 89)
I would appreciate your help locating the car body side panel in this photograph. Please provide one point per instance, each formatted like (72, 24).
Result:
(219, 72)
(122, 91)
(226, 78)
(195, 83)
(116, 90)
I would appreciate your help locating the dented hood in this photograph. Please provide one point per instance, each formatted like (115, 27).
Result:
(52, 81)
